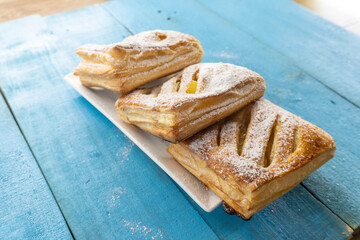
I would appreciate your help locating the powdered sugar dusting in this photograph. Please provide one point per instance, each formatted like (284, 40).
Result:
(287, 134)
(143, 56)
(263, 117)
(115, 198)
(212, 79)
(139, 229)
(124, 151)
(248, 166)
(205, 141)
(156, 39)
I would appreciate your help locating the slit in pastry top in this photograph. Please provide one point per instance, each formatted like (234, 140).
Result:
(137, 60)
(255, 155)
(275, 142)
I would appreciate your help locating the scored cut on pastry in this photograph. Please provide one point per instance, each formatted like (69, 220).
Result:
(137, 60)
(195, 98)
(255, 156)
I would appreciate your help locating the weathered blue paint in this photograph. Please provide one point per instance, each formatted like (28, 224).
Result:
(106, 187)
(287, 85)
(325, 51)
(27, 208)
(28, 31)
(296, 215)
(84, 26)
(329, 54)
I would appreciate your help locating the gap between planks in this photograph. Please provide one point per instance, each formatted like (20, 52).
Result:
(275, 50)
(185, 203)
(33, 155)
(322, 203)
(177, 186)
(291, 62)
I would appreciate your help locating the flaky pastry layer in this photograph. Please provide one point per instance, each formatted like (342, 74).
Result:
(172, 113)
(137, 60)
(255, 156)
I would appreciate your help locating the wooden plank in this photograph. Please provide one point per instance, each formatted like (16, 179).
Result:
(325, 51)
(29, 32)
(27, 207)
(331, 55)
(287, 86)
(106, 187)
(267, 225)
(78, 27)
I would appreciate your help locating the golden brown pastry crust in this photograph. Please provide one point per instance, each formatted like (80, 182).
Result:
(170, 112)
(137, 60)
(255, 155)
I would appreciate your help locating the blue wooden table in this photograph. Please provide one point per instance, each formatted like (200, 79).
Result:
(67, 172)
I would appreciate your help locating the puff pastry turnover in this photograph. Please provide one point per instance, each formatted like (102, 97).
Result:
(255, 155)
(137, 60)
(195, 98)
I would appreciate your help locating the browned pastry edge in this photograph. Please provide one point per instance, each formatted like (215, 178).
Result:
(181, 130)
(179, 152)
(123, 85)
(170, 112)
(136, 60)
